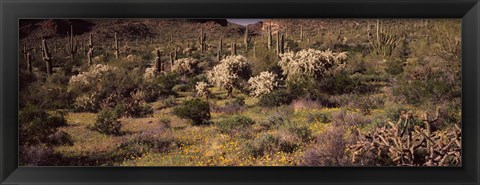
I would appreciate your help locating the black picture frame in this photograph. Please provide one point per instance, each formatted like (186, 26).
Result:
(11, 11)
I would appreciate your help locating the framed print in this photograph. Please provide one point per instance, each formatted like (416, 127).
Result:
(222, 92)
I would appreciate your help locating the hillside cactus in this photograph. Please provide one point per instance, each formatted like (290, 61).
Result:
(47, 57)
(115, 47)
(229, 72)
(185, 65)
(90, 50)
(158, 65)
(72, 46)
(201, 40)
(262, 84)
(202, 89)
(309, 63)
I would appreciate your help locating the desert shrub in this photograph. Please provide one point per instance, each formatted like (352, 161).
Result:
(60, 138)
(262, 84)
(159, 139)
(133, 108)
(270, 143)
(230, 73)
(180, 88)
(46, 95)
(197, 110)
(299, 130)
(319, 117)
(328, 150)
(431, 79)
(276, 98)
(235, 124)
(87, 102)
(170, 101)
(347, 118)
(305, 103)
(37, 155)
(261, 145)
(237, 101)
(366, 103)
(36, 125)
(107, 122)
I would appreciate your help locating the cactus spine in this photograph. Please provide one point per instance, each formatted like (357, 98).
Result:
(115, 47)
(72, 45)
(47, 57)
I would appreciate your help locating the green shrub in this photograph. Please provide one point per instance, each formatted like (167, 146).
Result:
(107, 122)
(170, 101)
(197, 110)
(235, 124)
(261, 145)
(276, 98)
(238, 101)
(180, 88)
(319, 117)
(36, 125)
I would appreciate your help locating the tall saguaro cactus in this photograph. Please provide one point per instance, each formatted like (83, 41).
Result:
(29, 62)
(301, 33)
(234, 49)
(90, 49)
(158, 61)
(115, 47)
(72, 45)
(269, 41)
(201, 40)
(47, 57)
(246, 38)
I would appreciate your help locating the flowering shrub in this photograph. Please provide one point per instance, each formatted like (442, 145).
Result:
(309, 63)
(202, 89)
(185, 65)
(229, 72)
(263, 83)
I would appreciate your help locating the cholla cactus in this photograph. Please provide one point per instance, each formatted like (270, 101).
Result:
(150, 73)
(96, 73)
(185, 65)
(309, 63)
(202, 89)
(263, 83)
(228, 72)
(86, 102)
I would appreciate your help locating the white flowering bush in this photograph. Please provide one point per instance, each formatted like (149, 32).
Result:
(262, 84)
(229, 73)
(202, 89)
(185, 65)
(309, 63)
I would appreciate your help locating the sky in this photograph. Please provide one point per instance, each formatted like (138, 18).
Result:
(244, 22)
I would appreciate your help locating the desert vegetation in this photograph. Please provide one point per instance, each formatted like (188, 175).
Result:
(208, 92)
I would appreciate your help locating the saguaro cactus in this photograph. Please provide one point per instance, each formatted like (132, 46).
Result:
(158, 61)
(269, 41)
(246, 38)
(47, 57)
(301, 33)
(29, 62)
(72, 45)
(234, 48)
(90, 49)
(385, 42)
(115, 47)
(201, 40)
